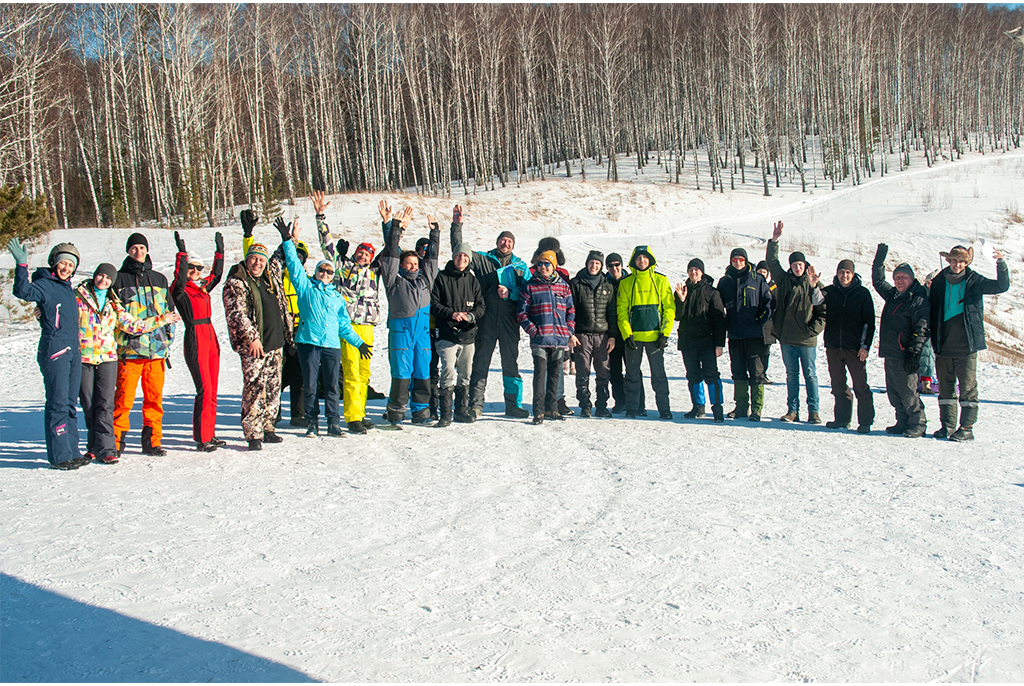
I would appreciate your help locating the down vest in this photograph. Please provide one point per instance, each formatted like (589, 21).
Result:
(595, 307)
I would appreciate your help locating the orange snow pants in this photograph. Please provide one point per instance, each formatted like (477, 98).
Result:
(151, 372)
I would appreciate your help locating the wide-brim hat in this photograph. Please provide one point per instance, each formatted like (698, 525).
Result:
(960, 253)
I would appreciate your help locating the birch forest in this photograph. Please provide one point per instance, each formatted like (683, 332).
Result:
(175, 113)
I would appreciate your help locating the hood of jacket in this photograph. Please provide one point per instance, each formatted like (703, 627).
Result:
(853, 284)
(642, 250)
(132, 267)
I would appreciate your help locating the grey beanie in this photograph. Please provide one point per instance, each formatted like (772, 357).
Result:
(904, 267)
(107, 269)
(595, 255)
(463, 247)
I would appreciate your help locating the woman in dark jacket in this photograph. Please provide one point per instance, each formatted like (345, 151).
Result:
(702, 326)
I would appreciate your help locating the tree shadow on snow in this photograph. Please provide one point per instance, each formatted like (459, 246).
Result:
(50, 638)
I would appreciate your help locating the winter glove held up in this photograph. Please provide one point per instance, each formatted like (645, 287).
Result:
(19, 251)
(248, 222)
(880, 254)
(218, 242)
(342, 247)
(284, 229)
(179, 242)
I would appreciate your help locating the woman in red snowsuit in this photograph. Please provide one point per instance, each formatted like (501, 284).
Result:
(191, 294)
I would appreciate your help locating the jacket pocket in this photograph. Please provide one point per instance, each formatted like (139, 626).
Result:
(645, 318)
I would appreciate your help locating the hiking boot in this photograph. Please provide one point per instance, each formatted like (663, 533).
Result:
(554, 415)
(641, 412)
(255, 444)
(367, 424)
(585, 412)
(754, 417)
(334, 430)
(790, 417)
(941, 433)
(664, 414)
(962, 435)
(207, 447)
(539, 419)
(563, 409)
(914, 432)
(864, 429)
(696, 413)
(271, 437)
(813, 418)
(313, 429)
(356, 428)
(837, 425)
(65, 466)
(896, 429)
(737, 413)
(603, 412)
(81, 461)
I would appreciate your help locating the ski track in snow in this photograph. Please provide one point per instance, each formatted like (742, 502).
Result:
(589, 550)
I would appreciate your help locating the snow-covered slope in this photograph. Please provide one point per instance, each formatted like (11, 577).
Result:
(590, 550)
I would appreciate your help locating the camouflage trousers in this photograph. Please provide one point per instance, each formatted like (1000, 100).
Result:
(261, 393)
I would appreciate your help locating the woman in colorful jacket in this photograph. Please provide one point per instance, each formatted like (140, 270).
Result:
(100, 313)
(59, 356)
(547, 315)
(191, 294)
(408, 284)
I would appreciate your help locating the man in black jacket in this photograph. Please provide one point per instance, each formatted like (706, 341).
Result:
(849, 330)
(596, 325)
(456, 305)
(702, 328)
(903, 328)
(958, 333)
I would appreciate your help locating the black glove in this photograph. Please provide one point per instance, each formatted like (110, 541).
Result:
(662, 341)
(342, 247)
(218, 241)
(880, 254)
(365, 350)
(248, 222)
(284, 229)
(630, 343)
(911, 364)
(179, 242)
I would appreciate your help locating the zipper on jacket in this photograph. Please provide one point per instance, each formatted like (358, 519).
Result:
(56, 324)
(61, 352)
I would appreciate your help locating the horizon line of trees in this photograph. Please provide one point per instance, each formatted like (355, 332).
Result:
(125, 113)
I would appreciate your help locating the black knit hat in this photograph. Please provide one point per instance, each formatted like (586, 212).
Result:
(136, 239)
(612, 258)
(696, 262)
(761, 265)
(738, 252)
(107, 269)
(905, 268)
(422, 243)
(845, 264)
(595, 255)
(796, 257)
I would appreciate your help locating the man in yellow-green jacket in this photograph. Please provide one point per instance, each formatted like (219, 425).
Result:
(646, 311)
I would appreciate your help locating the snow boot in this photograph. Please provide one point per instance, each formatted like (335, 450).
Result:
(915, 431)
(947, 417)
(962, 435)
(271, 437)
(147, 443)
(356, 428)
(756, 401)
(461, 406)
(512, 408)
(313, 428)
(741, 394)
(421, 416)
(695, 413)
(334, 429)
(445, 408)
(717, 413)
(563, 409)
(896, 429)
(585, 411)
(255, 444)
(968, 417)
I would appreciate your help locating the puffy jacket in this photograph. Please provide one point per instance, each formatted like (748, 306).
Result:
(546, 311)
(58, 307)
(747, 300)
(456, 291)
(796, 321)
(240, 307)
(646, 307)
(769, 328)
(323, 312)
(975, 286)
(903, 326)
(849, 316)
(289, 292)
(701, 317)
(359, 285)
(596, 309)
(408, 293)
(96, 326)
(144, 293)
(493, 270)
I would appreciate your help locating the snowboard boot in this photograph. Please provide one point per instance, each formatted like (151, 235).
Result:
(756, 402)
(445, 408)
(563, 409)
(696, 413)
(461, 406)
(947, 417)
(512, 408)
(421, 416)
(147, 443)
(962, 435)
(717, 413)
(741, 394)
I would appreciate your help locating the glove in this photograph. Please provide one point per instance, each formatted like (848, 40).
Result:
(630, 343)
(880, 254)
(179, 242)
(284, 229)
(662, 341)
(248, 222)
(218, 241)
(19, 251)
(342, 247)
(365, 350)
(911, 364)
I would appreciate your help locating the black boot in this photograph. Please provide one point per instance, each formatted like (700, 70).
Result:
(445, 409)
(147, 443)
(461, 406)
(512, 409)
(435, 397)
(718, 413)
(696, 413)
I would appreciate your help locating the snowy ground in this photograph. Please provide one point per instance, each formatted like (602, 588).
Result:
(593, 550)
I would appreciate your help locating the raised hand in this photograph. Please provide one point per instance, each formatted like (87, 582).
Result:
(284, 229)
(777, 231)
(218, 242)
(385, 211)
(997, 254)
(179, 242)
(404, 217)
(19, 251)
(880, 254)
(319, 205)
(681, 292)
(457, 214)
(431, 220)
(812, 276)
(342, 248)
(248, 218)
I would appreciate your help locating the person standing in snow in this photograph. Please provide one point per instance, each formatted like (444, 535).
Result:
(260, 327)
(797, 321)
(748, 305)
(617, 357)
(456, 304)
(596, 323)
(59, 355)
(902, 331)
(500, 274)
(359, 281)
(547, 315)
(191, 294)
(927, 383)
(702, 327)
(957, 317)
(408, 284)
(849, 330)
(144, 293)
(646, 310)
(769, 328)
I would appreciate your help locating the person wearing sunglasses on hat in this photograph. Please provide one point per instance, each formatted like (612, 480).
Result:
(324, 323)
(957, 318)
(190, 291)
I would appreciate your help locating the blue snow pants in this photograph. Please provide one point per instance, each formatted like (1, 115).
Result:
(61, 365)
(409, 354)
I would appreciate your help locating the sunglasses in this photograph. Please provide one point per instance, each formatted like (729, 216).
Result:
(615, 264)
(325, 270)
(544, 263)
(195, 268)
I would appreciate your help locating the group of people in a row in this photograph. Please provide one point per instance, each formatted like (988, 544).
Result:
(315, 334)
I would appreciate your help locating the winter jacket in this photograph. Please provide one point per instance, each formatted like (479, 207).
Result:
(96, 326)
(903, 326)
(58, 307)
(408, 292)
(747, 301)
(493, 270)
(701, 317)
(796, 320)
(192, 300)
(144, 293)
(769, 327)
(323, 312)
(849, 316)
(456, 291)
(975, 286)
(240, 304)
(546, 311)
(645, 305)
(596, 309)
(289, 292)
(359, 285)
